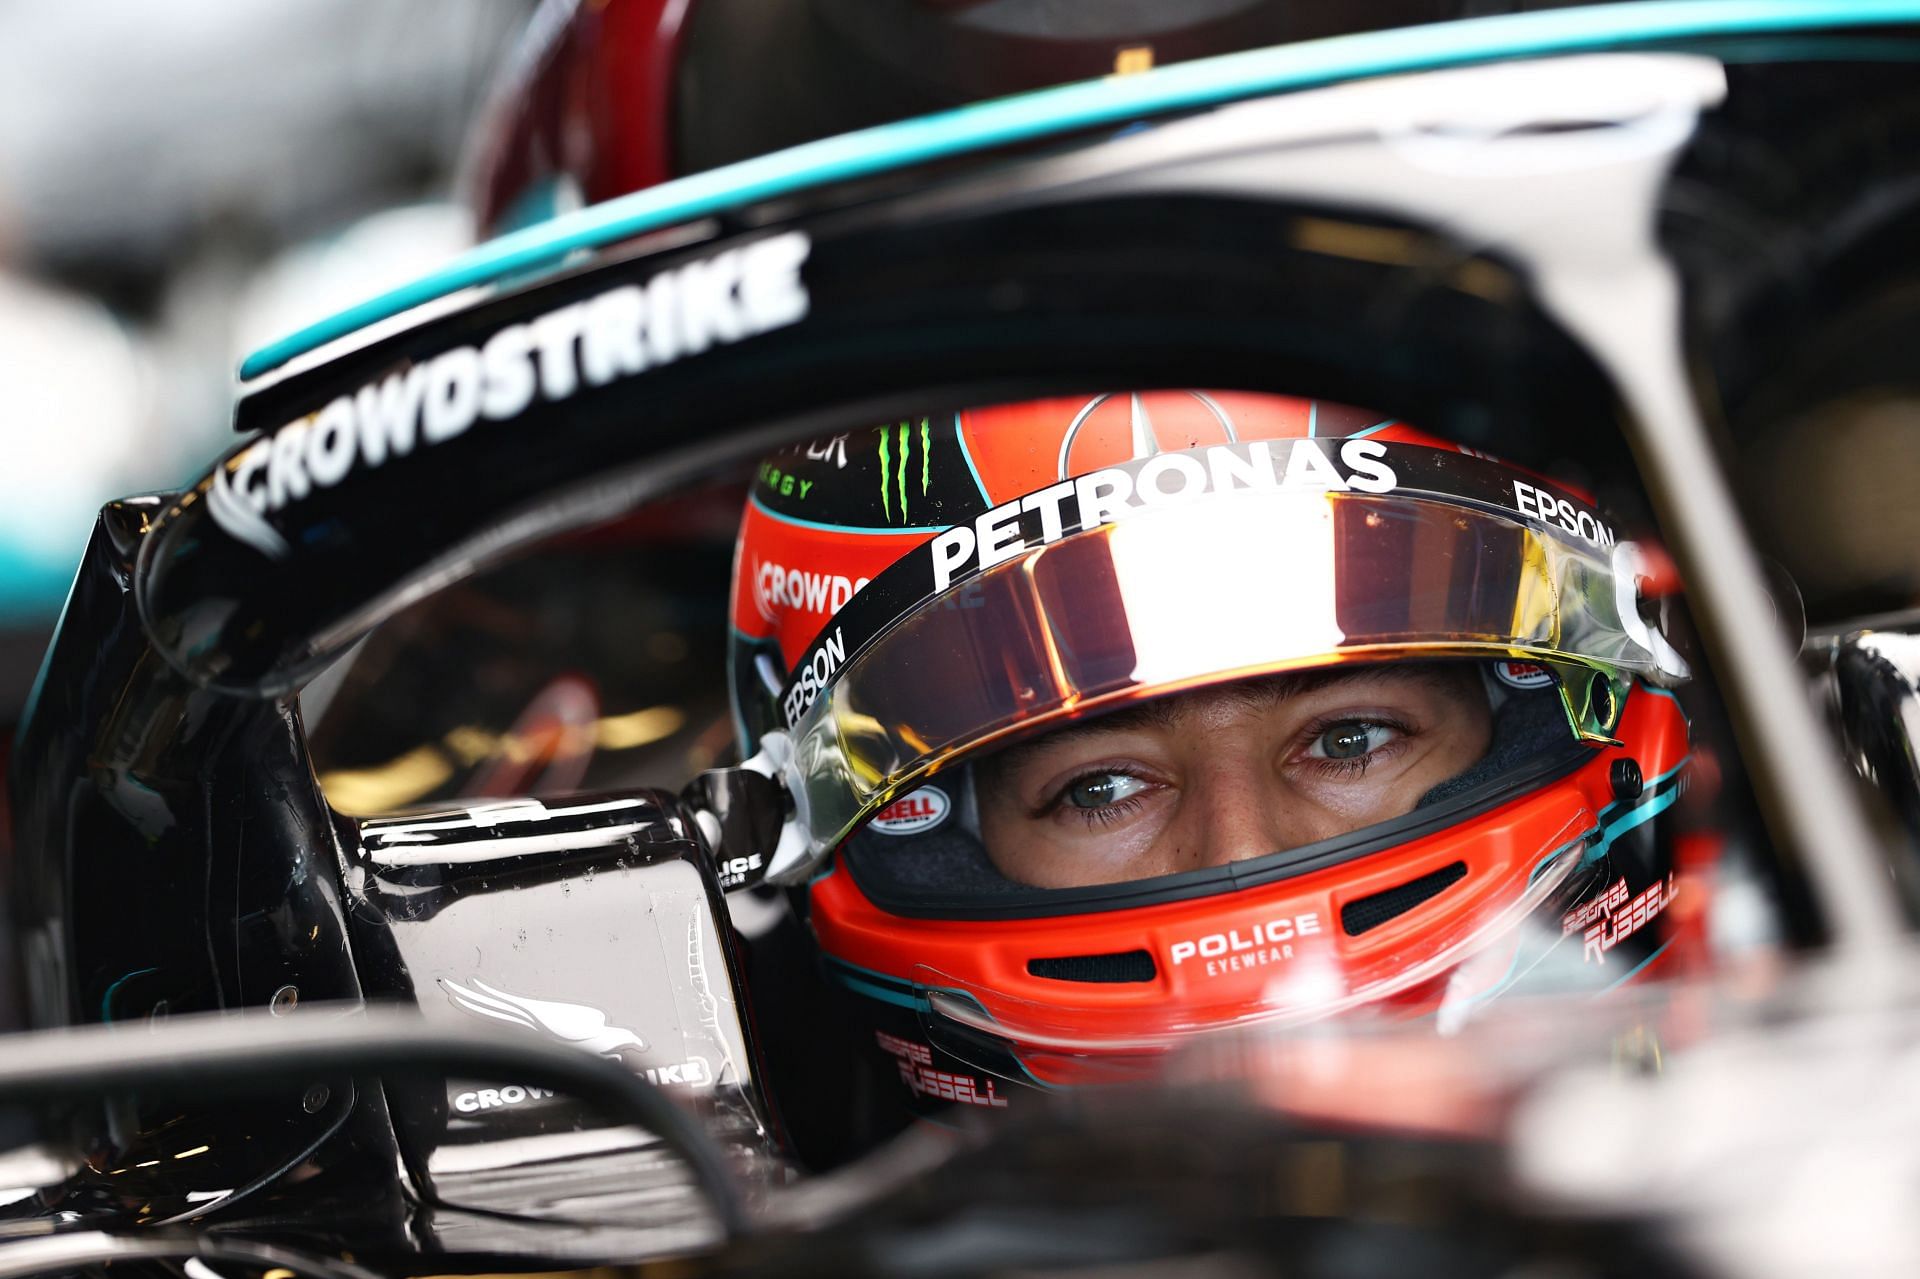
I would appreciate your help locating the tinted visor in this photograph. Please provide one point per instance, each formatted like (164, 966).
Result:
(1222, 586)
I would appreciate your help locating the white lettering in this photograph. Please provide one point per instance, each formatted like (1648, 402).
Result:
(611, 345)
(508, 367)
(1558, 511)
(709, 312)
(389, 413)
(1308, 467)
(1366, 459)
(286, 480)
(690, 1072)
(998, 531)
(453, 394)
(1102, 496)
(553, 338)
(251, 463)
(1523, 498)
(1193, 478)
(770, 290)
(951, 549)
(1047, 502)
(814, 676)
(663, 317)
(835, 448)
(1270, 939)
(490, 1098)
(330, 444)
(1255, 471)
(680, 311)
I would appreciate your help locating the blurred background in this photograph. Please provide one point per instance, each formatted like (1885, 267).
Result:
(177, 186)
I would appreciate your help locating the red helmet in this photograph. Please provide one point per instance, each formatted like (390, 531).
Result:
(1402, 720)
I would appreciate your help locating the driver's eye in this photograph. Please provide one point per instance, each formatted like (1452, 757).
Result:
(1350, 739)
(1100, 790)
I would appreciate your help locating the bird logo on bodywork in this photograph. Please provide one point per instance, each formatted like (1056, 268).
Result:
(577, 1024)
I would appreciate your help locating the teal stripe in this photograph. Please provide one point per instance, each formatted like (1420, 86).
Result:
(978, 483)
(106, 1000)
(1609, 832)
(1670, 695)
(1377, 426)
(796, 521)
(1112, 101)
(1513, 973)
(873, 991)
(1638, 816)
(1685, 759)
(905, 995)
(875, 985)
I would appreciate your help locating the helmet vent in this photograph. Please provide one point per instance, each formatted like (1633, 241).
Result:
(1362, 913)
(1131, 965)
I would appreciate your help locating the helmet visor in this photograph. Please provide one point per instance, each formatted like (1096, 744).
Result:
(1222, 586)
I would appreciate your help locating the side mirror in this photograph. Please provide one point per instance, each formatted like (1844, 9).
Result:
(595, 922)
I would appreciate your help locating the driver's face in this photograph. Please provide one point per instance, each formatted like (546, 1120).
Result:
(1222, 774)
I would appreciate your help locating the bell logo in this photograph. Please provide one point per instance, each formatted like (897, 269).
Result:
(922, 810)
(1523, 674)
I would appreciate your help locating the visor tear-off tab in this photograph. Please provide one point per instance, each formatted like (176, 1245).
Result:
(742, 814)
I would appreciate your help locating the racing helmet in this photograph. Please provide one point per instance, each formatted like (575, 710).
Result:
(952, 632)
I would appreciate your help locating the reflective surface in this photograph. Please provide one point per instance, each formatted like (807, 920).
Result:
(175, 853)
(1161, 600)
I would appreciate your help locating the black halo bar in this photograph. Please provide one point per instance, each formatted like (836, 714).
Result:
(211, 1050)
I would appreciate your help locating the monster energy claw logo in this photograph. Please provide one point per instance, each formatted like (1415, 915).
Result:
(890, 475)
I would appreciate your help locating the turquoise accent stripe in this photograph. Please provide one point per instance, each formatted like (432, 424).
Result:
(1637, 816)
(796, 521)
(906, 995)
(106, 1000)
(1670, 695)
(1616, 819)
(1633, 971)
(1609, 831)
(1090, 104)
(961, 437)
(1685, 759)
(1377, 426)
(873, 991)
(1313, 418)
(874, 985)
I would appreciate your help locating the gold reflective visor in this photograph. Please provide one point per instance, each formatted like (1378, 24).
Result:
(1224, 587)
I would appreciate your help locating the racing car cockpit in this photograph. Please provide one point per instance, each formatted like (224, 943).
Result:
(886, 637)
